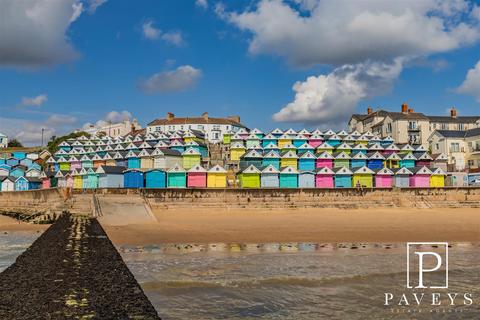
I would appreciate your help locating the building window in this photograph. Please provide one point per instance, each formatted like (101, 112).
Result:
(454, 147)
(461, 126)
(200, 127)
(389, 127)
(437, 146)
(444, 126)
(412, 125)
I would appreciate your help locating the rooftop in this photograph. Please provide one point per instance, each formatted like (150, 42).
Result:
(204, 119)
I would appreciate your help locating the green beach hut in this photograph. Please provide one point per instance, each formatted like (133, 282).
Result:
(191, 157)
(288, 177)
(250, 177)
(176, 177)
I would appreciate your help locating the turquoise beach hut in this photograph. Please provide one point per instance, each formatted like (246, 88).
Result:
(133, 160)
(288, 177)
(342, 177)
(176, 177)
(252, 157)
(358, 160)
(155, 178)
(269, 139)
(271, 158)
(306, 161)
(21, 184)
(407, 160)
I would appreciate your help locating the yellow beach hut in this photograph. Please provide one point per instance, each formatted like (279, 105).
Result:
(250, 177)
(237, 150)
(437, 179)
(146, 159)
(77, 180)
(191, 157)
(363, 176)
(217, 177)
(284, 140)
(289, 159)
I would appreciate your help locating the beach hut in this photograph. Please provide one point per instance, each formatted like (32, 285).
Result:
(305, 147)
(217, 177)
(21, 184)
(276, 132)
(110, 177)
(384, 178)
(363, 177)
(236, 151)
(133, 178)
(271, 158)
(200, 147)
(288, 147)
(423, 159)
(299, 140)
(176, 177)
(98, 161)
(120, 160)
(269, 139)
(342, 177)
(69, 179)
(406, 148)
(166, 158)
(315, 140)
(4, 172)
(324, 160)
(75, 163)
(86, 182)
(420, 177)
(26, 162)
(33, 173)
(60, 177)
(64, 164)
(77, 179)
(289, 159)
(190, 158)
(86, 161)
(250, 177)
(270, 177)
(197, 177)
(440, 161)
(437, 179)
(391, 148)
(18, 171)
(358, 160)
(344, 147)
(252, 157)
(375, 160)
(288, 177)
(12, 162)
(393, 160)
(133, 160)
(324, 178)
(19, 155)
(306, 179)
(360, 148)
(109, 161)
(7, 184)
(325, 147)
(227, 137)
(334, 140)
(306, 161)
(155, 178)
(284, 140)
(341, 159)
(407, 160)
(34, 183)
(252, 141)
(146, 159)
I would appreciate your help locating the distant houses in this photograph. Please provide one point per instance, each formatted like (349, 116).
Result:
(3, 140)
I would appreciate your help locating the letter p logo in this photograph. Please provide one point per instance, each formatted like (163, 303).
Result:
(424, 265)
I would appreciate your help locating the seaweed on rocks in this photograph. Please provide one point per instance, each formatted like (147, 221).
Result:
(72, 271)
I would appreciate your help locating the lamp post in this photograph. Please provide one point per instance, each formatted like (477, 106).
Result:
(43, 129)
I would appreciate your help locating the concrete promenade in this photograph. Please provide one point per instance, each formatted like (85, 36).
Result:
(72, 271)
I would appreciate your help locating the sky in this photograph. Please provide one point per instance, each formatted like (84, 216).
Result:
(276, 63)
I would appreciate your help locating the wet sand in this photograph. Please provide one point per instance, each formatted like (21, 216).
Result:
(8, 224)
(305, 225)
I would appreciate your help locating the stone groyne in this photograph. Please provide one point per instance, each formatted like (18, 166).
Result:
(72, 271)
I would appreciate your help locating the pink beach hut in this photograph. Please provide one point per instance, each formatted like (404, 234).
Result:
(324, 178)
(45, 180)
(75, 163)
(324, 160)
(420, 177)
(384, 178)
(197, 177)
(69, 179)
(315, 140)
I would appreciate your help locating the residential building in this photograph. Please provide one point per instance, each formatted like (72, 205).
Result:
(3, 140)
(452, 143)
(472, 142)
(408, 126)
(114, 130)
(213, 128)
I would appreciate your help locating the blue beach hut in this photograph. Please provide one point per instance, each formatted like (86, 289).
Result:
(342, 177)
(271, 158)
(133, 178)
(34, 183)
(306, 161)
(19, 155)
(359, 160)
(155, 178)
(375, 160)
(21, 184)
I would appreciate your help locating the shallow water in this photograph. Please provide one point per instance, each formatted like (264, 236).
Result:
(12, 244)
(295, 281)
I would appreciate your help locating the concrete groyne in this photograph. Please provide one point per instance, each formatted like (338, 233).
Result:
(72, 271)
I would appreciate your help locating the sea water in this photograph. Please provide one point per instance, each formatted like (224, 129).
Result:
(12, 244)
(297, 281)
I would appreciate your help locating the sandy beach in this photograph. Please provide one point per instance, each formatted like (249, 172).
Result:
(305, 225)
(10, 224)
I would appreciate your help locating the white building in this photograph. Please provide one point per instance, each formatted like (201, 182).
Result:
(3, 140)
(114, 129)
(213, 128)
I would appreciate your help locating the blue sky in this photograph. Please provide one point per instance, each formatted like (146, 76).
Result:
(239, 61)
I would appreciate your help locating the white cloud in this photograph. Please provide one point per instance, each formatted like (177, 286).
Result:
(332, 98)
(110, 117)
(201, 3)
(180, 79)
(345, 32)
(29, 132)
(150, 31)
(34, 101)
(34, 32)
(471, 84)
(94, 4)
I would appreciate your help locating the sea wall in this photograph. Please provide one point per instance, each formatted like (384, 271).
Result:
(33, 202)
(302, 198)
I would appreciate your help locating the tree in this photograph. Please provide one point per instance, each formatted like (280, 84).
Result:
(52, 145)
(14, 143)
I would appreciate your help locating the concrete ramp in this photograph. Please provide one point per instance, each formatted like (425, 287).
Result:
(121, 210)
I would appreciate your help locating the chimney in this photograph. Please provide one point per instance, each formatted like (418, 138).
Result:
(205, 115)
(410, 110)
(453, 112)
(404, 108)
(369, 110)
(170, 116)
(132, 128)
(234, 118)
